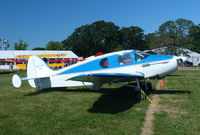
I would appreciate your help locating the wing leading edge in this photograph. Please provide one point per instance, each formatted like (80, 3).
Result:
(107, 77)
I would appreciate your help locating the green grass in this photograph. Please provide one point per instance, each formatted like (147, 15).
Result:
(113, 111)
(180, 111)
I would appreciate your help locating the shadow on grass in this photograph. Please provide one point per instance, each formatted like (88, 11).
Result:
(171, 92)
(112, 100)
(7, 72)
(64, 89)
(176, 75)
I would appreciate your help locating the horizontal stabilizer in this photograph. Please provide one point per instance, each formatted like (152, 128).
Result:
(16, 81)
(38, 74)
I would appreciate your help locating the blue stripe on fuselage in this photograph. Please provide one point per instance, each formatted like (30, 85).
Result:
(155, 58)
(113, 63)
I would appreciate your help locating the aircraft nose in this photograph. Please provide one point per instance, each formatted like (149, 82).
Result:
(174, 64)
(176, 61)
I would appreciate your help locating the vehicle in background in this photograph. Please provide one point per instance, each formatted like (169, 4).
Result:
(188, 63)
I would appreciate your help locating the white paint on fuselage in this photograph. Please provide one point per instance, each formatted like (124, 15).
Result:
(53, 79)
(156, 68)
(160, 68)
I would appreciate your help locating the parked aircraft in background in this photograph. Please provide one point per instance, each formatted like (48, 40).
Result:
(121, 66)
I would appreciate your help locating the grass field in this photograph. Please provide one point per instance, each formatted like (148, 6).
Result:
(180, 105)
(113, 111)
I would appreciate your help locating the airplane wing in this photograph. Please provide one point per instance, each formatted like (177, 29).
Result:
(107, 77)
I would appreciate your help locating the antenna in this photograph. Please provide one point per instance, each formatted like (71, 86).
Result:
(5, 43)
(0, 44)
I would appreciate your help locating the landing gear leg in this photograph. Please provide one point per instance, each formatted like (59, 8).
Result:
(96, 86)
(146, 87)
(138, 93)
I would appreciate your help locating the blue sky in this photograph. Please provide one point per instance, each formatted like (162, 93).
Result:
(41, 21)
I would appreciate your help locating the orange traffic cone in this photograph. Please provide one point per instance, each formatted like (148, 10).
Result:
(162, 83)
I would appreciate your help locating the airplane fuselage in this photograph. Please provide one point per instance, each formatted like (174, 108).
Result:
(113, 67)
(125, 62)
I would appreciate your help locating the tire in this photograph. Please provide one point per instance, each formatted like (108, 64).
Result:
(139, 96)
(149, 86)
(146, 91)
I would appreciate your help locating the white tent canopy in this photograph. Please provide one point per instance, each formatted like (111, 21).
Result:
(12, 54)
(193, 57)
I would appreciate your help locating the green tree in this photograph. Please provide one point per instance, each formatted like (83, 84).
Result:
(99, 36)
(173, 35)
(105, 37)
(194, 34)
(133, 38)
(150, 42)
(22, 45)
(54, 45)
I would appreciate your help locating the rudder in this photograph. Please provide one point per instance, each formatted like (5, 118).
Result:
(38, 68)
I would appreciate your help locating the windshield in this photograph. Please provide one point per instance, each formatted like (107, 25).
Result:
(139, 55)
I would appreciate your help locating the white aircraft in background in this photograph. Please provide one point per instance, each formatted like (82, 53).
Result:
(121, 66)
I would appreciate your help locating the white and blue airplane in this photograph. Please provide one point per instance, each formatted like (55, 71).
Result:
(121, 66)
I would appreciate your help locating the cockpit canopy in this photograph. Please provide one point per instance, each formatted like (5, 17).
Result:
(139, 55)
(129, 58)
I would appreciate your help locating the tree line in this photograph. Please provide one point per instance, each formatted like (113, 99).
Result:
(105, 37)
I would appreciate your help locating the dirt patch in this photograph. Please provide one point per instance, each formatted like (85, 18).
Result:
(173, 112)
(138, 109)
(147, 128)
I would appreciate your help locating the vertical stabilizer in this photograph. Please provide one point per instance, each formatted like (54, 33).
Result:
(38, 68)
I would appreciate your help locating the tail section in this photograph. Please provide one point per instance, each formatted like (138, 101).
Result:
(39, 76)
(38, 70)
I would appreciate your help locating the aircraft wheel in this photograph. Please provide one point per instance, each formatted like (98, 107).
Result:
(146, 91)
(149, 86)
(139, 96)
